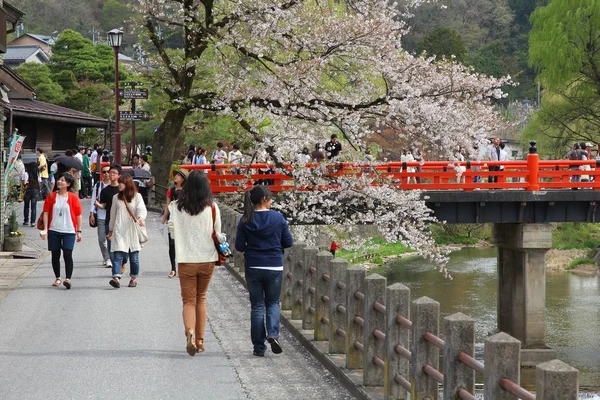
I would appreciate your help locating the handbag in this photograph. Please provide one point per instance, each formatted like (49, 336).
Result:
(141, 230)
(40, 222)
(222, 257)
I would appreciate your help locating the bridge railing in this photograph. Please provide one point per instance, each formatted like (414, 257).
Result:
(531, 174)
(370, 323)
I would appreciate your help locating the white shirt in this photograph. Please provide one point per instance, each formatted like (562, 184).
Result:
(79, 157)
(61, 216)
(219, 156)
(235, 157)
(100, 213)
(303, 158)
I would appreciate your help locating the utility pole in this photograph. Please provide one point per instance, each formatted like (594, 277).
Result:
(93, 32)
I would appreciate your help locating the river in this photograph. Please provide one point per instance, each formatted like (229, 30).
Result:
(572, 304)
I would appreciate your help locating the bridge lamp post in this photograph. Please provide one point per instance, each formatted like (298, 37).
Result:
(115, 38)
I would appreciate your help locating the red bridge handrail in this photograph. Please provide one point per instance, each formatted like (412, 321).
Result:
(531, 175)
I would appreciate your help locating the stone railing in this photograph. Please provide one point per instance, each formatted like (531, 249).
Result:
(366, 324)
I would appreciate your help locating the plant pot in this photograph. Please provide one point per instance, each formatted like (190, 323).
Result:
(13, 243)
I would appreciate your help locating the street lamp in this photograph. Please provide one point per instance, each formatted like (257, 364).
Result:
(115, 37)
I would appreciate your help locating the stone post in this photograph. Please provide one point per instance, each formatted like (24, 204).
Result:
(425, 314)
(459, 336)
(337, 296)
(287, 300)
(308, 287)
(398, 303)
(355, 278)
(374, 320)
(555, 380)
(502, 360)
(298, 275)
(322, 291)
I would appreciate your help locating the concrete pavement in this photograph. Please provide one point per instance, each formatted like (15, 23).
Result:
(97, 342)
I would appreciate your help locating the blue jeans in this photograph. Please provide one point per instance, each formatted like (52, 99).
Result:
(110, 253)
(134, 263)
(30, 198)
(265, 288)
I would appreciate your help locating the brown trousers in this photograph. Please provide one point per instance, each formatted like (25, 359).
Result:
(194, 279)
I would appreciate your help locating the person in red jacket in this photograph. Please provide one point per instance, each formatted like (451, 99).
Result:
(62, 226)
(334, 247)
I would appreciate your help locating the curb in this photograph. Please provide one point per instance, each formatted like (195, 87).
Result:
(26, 272)
(350, 379)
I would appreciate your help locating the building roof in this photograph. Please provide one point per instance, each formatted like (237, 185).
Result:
(23, 52)
(40, 110)
(125, 59)
(40, 38)
(43, 38)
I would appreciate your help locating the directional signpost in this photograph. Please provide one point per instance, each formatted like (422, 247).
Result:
(133, 93)
(133, 115)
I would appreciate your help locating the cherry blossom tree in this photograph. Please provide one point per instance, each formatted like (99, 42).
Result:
(293, 72)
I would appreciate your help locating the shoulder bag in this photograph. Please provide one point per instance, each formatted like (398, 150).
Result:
(222, 256)
(40, 221)
(141, 230)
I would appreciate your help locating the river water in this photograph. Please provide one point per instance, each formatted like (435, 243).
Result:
(572, 304)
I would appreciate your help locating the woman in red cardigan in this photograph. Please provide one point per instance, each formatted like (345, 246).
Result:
(62, 225)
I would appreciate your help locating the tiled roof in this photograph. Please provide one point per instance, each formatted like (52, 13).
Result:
(20, 52)
(41, 110)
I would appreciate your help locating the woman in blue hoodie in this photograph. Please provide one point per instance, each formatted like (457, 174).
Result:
(262, 234)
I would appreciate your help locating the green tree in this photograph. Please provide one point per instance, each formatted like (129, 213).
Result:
(444, 42)
(114, 13)
(38, 76)
(488, 59)
(564, 47)
(92, 98)
(87, 61)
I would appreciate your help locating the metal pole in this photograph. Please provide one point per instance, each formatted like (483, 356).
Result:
(133, 128)
(117, 129)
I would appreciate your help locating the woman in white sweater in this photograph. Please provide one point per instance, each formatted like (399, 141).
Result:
(127, 209)
(193, 217)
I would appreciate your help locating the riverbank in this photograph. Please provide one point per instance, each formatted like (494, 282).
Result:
(556, 259)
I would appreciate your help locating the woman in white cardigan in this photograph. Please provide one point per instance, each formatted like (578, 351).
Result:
(192, 223)
(126, 205)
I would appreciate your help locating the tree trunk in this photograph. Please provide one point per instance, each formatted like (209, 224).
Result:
(164, 144)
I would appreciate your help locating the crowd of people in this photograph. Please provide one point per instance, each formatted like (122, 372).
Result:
(118, 213)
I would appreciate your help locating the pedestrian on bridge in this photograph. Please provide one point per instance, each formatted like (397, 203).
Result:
(62, 226)
(262, 234)
(193, 217)
(127, 209)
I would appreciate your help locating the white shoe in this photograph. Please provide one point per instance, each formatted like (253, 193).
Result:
(108, 264)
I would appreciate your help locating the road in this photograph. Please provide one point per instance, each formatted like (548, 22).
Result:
(97, 342)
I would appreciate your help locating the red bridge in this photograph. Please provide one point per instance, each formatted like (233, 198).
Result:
(532, 174)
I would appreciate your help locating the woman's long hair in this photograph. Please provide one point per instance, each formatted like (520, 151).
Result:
(252, 198)
(32, 170)
(130, 190)
(195, 194)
